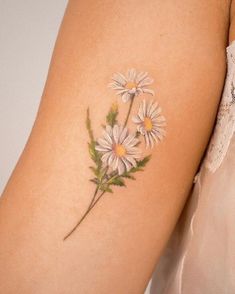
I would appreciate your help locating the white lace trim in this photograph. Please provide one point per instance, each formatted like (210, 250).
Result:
(225, 124)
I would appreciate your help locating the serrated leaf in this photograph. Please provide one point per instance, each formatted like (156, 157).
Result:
(144, 161)
(118, 181)
(129, 176)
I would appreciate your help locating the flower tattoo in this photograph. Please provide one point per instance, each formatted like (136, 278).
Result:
(132, 84)
(150, 122)
(118, 148)
(116, 155)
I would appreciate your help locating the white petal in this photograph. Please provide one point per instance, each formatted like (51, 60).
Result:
(101, 149)
(128, 139)
(121, 167)
(109, 130)
(107, 137)
(126, 97)
(145, 90)
(123, 134)
(119, 78)
(147, 140)
(111, 159)
(136, 119)
(154, 137)
(115, 85)
(145, 82)
(139, 91)
(133, 150)
(131, 75)
(131, 160)
(151, 141)
(122, 77)
(140, 113)
(106, 156)
(121, 92)
(141, 76)
(141, 129)
(103, 143)
(144, 105)
(116, 134)
(153, 106)
(133, 143)
(128, 165)
(115, 163)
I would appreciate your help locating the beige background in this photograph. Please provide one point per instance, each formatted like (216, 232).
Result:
(28, 29)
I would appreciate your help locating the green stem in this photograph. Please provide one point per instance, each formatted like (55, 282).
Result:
(129, 110)
(110, 179)
(92, 203)
(98, 186)
(85, 214)
(93, 198)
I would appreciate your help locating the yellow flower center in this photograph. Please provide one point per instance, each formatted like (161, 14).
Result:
(119, 150)
(148, 125)
(130, 85)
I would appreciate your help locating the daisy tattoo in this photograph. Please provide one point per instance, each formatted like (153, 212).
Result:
(116, 154)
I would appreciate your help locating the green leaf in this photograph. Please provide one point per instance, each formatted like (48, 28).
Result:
(95, 171)
(106, 188)
(127, 175)
(140, 164)
(111, 118)
(118, 181)
(94, 154)
(144, 161)
(109, 190)
(88, 125)
(95, 180)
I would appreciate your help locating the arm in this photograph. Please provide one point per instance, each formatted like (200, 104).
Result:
(116, 247)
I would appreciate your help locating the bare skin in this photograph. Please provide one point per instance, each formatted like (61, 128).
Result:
(182, 46)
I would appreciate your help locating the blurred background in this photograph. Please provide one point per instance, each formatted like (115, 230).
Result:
(28, 30)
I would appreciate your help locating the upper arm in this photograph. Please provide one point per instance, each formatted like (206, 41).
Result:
(182, 47)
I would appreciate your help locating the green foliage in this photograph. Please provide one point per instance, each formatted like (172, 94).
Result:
(140, 165)
(119, 180)
(88, 125)
(106, 188)
(111, 118)
(103, 180)
(95, 155)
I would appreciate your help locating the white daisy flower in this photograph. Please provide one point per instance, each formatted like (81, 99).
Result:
(132, 84)
(118, 148)
(150, 122)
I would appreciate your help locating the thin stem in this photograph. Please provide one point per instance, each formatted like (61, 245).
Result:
(97, 188)
(110, 179)
(93, 198)
(85, 214)
(129, 110)
(92, 203)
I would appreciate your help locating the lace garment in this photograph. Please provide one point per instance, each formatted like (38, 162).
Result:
(200, 256)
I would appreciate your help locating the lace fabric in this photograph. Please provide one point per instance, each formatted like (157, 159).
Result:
(225, 125)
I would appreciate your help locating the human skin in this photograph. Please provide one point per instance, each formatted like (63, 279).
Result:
(182, 46)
